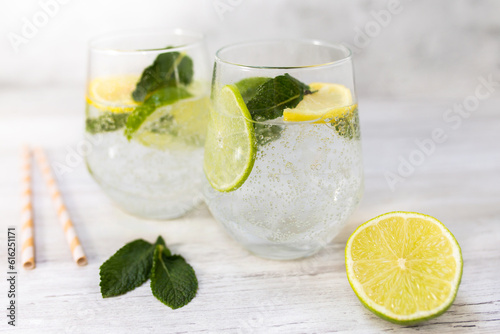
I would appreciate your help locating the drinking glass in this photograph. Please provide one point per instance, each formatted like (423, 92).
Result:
(146, 113)
(283, 155)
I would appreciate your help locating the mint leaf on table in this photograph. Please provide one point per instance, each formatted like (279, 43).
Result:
(128, 268)
(107, 122)
(161, 97)
(160, 241)
(173, 280)
(168, 69)
(275, 95)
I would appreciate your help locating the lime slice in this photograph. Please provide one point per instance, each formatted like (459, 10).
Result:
(180, 125)
(327, 102)
(113, 94)
(403, 266)
(230, 146)
(148, 111)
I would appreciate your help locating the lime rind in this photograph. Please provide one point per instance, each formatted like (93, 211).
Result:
(230, 145)
(383, 312)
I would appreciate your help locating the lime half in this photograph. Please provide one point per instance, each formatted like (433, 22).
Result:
(404, 266)
(230, 145)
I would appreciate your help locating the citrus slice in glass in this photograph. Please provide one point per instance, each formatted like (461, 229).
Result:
(181, 125)
(230, 144)
(404, 266)
(113, 94)
(326, 102)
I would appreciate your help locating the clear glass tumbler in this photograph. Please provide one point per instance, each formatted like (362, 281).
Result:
(283, 155)
(147, 109)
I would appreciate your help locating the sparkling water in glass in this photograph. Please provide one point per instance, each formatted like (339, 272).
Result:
(307, 175)
(151, 169)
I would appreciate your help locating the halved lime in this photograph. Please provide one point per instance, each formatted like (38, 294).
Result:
(404, 266)
(230, 145)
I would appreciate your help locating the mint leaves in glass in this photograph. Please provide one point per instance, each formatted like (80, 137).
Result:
(283, 153)
(147, 110)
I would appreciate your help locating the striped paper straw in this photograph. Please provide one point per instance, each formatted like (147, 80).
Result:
(69, 230)
(27, 228)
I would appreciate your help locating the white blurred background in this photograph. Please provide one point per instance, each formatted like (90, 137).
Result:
(403, 48)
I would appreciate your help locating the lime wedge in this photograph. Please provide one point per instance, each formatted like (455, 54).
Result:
(230, 145)
(405, 267)
(181, 125)
(148, 110)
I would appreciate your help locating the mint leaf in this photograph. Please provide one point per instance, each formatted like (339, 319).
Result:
(273, 96)
(107, 122)
(168, 69)
(128, 268)
(160, 241)
(248, 86)
(348, 126)
(161, 97)
(266, 133)
(163, 125)
(173, 280)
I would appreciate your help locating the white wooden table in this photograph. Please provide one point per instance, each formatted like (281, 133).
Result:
(239, 293)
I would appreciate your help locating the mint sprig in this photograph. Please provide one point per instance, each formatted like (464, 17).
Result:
(266, 99)
(107, 122)
(128, 268)
(275, 95)
(168, 70)
(161, 97)
(248, 86)
(348, 125)
(173, 280)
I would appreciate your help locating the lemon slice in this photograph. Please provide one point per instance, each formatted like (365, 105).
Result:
(113, 94)
(329, 101)
(230, 145)
(403, 266)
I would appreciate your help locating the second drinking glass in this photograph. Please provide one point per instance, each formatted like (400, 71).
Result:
(147, 109)
(283, 151)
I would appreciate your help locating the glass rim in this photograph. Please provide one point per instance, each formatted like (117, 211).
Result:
(199, 40)
(347, 53)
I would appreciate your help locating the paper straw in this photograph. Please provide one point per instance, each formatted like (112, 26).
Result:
(69, 230)
(27, 228)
